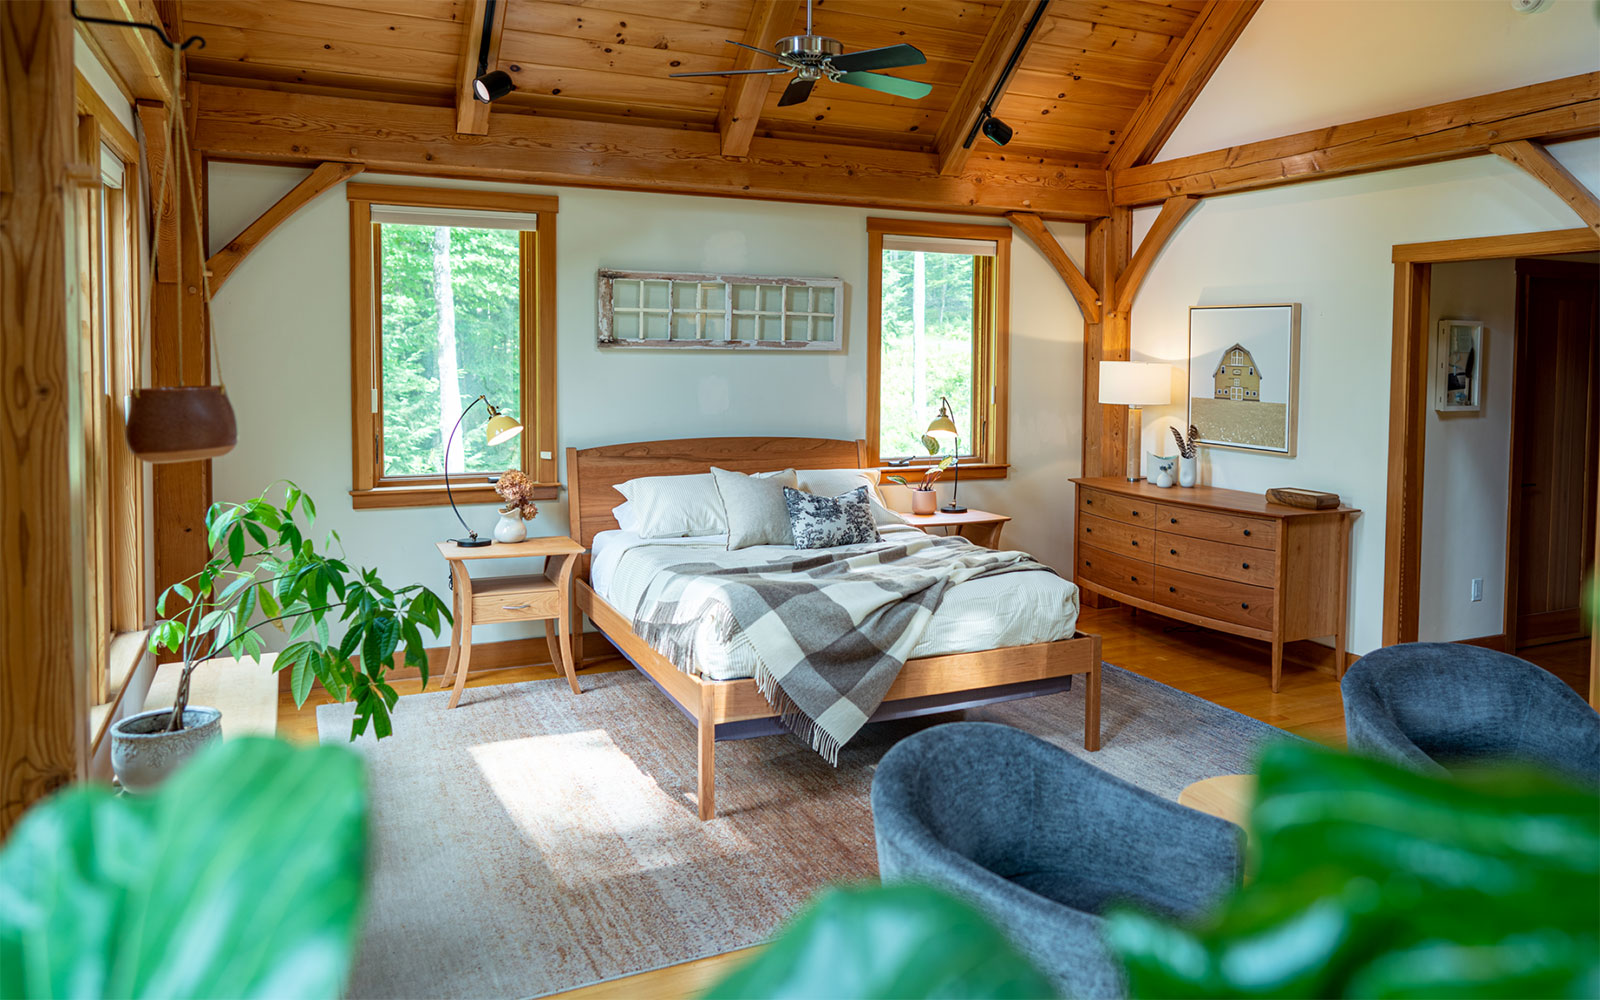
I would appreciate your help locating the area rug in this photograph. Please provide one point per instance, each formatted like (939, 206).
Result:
(530, 841)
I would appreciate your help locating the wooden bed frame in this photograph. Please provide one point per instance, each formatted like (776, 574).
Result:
(724, 710)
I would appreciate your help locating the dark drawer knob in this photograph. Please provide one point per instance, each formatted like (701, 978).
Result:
(1135, 544)
(1173, 551)
(1134, 579)
(1172, 590)
(1088, 503)
(1087, 563)
(1245, 606)
(1247, 532)
(1135, 513)
(1174, 520)
(1246, 565)
(1088, 531)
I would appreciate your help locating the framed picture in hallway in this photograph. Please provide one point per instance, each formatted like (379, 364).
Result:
(1458, 367)
(1244, 372)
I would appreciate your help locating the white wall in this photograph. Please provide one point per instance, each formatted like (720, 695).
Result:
(283, 329)
(1467, 462)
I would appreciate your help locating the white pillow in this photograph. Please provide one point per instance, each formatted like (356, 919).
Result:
(678, 506)
(833, 482)
(754, 506)
(627, 516)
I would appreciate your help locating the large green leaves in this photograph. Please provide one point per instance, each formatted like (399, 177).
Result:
(1377, 882)
(241, 878)
(893, 941)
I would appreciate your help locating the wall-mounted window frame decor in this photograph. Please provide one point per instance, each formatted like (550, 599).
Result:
(1458, 367)
(673, 310)
(1242, 358)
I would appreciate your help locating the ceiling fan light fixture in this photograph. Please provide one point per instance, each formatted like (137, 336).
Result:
(997, 131)
(492, 86)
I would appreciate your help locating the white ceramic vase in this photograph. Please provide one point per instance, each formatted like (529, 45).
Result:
(510, 529)
(1188, 470)
(1161, 470)
(143, 754)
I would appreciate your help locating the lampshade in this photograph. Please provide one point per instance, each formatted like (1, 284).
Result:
(503, 428)
(1135, 383)
(942, 424)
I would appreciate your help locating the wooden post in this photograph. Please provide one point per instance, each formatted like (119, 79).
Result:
(1107, 248)
(43, 709)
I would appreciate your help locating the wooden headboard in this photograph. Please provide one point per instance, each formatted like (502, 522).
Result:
(592, 473)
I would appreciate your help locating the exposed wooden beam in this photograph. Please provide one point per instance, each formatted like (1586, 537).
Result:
(271, 126)
(1559, 109)
(163, 195)
(1083, 293)
(1536, 160)
(1010, 21)
(1106, 253)
(1201, 51)
(43, 701)
(137, 58)
(770, 20)
(472, 115)
(222, 263)
(1173, 212)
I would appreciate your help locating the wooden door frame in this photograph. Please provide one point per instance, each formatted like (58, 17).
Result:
(1408, 400)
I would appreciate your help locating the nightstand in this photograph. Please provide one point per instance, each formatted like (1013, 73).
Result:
(543, 597)
(977, 526)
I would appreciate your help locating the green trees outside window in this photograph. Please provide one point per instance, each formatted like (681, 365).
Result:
(928, 330)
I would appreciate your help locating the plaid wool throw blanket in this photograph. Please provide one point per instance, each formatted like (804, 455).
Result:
(830, 628)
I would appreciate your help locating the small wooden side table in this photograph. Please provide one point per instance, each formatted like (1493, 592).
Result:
(977, 526)
(543, 597)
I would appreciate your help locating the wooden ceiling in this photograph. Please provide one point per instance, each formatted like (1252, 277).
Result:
(1088, 68)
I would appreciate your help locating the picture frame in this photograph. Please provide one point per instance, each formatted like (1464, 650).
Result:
(660, 310)
(1244, 376)
(1458, 367)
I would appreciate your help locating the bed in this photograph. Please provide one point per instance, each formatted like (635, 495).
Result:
(727, 706)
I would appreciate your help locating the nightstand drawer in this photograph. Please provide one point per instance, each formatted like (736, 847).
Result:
(1220, 559)
(1115, 536)
(514, 599)
(1117, 508)
(1115, 572)
(1226, 600)
(1255, 532)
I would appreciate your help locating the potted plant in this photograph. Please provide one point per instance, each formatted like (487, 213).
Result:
(923, 499)
(263, 562)
(516, 489)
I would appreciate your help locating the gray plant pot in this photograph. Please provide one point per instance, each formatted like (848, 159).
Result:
(143, 754)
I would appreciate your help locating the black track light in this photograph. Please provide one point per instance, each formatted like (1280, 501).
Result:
(494, 85)
(997, 131)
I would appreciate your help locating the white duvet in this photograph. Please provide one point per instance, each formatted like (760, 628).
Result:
(1013, 609)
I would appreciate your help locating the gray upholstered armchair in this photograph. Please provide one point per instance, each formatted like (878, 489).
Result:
(1436, 705)
(1043, 842)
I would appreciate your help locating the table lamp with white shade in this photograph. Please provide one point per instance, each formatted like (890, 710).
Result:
(1135, 384)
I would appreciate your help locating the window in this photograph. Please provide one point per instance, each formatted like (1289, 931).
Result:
(105, 283)
(640, 309)
(453, 299)
(938, 315)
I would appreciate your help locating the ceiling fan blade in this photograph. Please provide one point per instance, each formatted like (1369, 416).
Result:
(888, 84)
(888, 57)
(752, 48)
(737, 72)
(796, 92)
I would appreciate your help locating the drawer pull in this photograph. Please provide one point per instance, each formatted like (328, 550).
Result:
(515, 607)
(1247, 532)
(1172, 590)
(1087, 563)
(1135, 544)
(1135, 513)
(1088, 531)
(1245, 606)
(1246, 565)
(1088, 503)
(1134, 579)
(1173, 551)
(1174, 520)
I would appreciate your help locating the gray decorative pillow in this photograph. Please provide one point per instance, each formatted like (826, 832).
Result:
(755, 508)
(823, 522)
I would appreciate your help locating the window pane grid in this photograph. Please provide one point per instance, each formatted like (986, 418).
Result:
(664, 310)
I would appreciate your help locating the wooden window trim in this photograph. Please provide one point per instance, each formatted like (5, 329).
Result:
(991, 345)
(538, 261)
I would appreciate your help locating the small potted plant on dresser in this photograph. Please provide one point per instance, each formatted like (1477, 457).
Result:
(263, 562)
(923, 499)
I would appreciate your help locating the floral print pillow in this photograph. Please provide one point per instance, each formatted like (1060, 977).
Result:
(823, 522)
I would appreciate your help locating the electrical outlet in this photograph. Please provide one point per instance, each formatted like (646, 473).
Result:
(1477, 588)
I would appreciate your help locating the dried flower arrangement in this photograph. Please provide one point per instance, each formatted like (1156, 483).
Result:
(1189, 447)
(516, 489)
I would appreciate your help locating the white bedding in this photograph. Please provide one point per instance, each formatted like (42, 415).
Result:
(1013, 609)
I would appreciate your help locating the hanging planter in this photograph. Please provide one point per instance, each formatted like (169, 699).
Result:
(181, 423)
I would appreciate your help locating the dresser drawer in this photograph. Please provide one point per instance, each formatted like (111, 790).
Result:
(1221, 559)
(1226, 600)
(514, 599)
(1115, 572)
(1116, 508)
(1256, 532)
(1116, 536)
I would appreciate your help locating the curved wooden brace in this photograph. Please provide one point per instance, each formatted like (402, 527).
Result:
(222, 263)
(1547, 170)
(1035, 230)
(1173, 212)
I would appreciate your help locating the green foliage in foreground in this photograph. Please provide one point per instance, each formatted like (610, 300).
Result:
(890, 941)
(242, 877)
(1374, 881)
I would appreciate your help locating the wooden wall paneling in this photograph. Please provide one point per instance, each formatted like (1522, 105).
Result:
(472, 115)
(1197, 56)
(770, 20)
(266, 126)
(1173, 212)
(1083, 293)
(966, 108)
(1537, 161)
(137, 59)
(1558, 109)
(43, 707)
(222, 263)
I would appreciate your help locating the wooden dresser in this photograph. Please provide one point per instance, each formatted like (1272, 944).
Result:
(1223, 559)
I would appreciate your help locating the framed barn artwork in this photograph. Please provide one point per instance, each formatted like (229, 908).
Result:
(1244, 373)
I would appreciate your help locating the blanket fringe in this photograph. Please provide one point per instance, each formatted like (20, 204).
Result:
(793, 719)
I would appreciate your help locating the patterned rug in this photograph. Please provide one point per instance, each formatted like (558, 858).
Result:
(531, 841)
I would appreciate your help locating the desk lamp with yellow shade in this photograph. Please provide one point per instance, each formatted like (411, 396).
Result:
(943, 427)
(501, 428)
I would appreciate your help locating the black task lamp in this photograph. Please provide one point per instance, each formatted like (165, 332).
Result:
(944, 426)
(501, 429)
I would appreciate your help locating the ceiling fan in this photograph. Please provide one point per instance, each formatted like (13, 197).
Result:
(815, 57)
